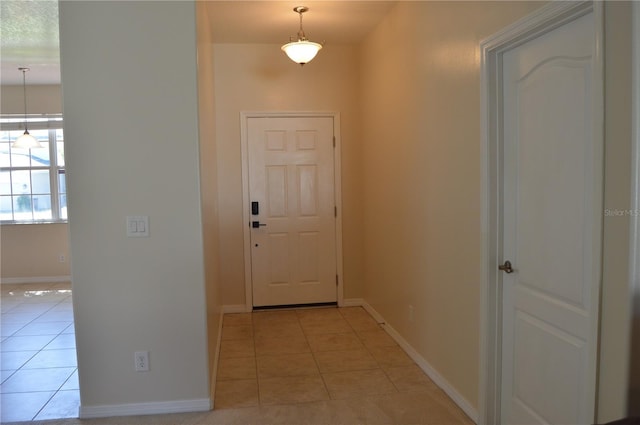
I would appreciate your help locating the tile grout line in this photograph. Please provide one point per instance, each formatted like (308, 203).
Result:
(43, 406)
(370, 352)
(315, 360)
(372, 355)
(21, 366)
(322, 374)
(356, 333)
(255, 358)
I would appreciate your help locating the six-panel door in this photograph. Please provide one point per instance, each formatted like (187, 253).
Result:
(293, 238)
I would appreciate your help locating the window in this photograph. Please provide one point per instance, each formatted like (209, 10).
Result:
(32, 181)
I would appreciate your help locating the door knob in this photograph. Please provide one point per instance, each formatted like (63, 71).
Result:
(506, 267)
(257, 224)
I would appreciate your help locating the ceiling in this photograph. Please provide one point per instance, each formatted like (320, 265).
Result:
(29, 37)
(29, 29)
(333, 22)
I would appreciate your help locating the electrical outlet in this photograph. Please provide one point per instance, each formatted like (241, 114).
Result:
(61, 258)
(141, 361)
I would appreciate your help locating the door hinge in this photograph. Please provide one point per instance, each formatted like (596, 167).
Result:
(336, 280)
(335, 211)
(334, 141)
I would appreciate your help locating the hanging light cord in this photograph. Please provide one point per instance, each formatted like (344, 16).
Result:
(24, 92)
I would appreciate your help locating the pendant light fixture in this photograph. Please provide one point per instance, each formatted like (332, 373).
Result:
(303, 50)
(26, 141)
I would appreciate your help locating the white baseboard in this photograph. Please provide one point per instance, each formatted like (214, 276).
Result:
(235, 308)
(214, 373)
(154, 408)
(441, 382)
(376, 316)
(36, 279)
(352, 302)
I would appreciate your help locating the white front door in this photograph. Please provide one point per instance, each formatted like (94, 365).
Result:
(552, 212)
(292, 221)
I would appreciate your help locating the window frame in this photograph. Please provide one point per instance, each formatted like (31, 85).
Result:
(53, 123)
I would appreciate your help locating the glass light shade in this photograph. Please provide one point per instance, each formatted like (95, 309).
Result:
(301, 51)
(26, 141)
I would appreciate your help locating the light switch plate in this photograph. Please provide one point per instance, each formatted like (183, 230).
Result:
(137, 226)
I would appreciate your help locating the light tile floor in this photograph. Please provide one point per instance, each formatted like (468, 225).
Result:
(325, 365)
(311, 366)
(37, 353)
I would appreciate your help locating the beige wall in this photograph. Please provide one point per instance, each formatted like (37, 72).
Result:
(422, 229)
(208, 185)
(261, 78)
(420, 85)
(129, 76)
(44, 99)
(33, 250)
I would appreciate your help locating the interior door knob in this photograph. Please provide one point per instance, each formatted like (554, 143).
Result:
(257, 224)
(506, 267)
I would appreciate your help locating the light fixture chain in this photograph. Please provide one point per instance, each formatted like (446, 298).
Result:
(301, 35)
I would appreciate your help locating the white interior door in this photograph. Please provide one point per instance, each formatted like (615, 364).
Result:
(552, 216)
(291, 190)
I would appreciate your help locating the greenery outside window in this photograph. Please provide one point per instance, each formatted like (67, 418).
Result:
(32, 181)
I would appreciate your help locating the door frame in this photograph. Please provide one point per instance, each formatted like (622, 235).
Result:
(634, 219)
(246, 203)
(492, 49)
